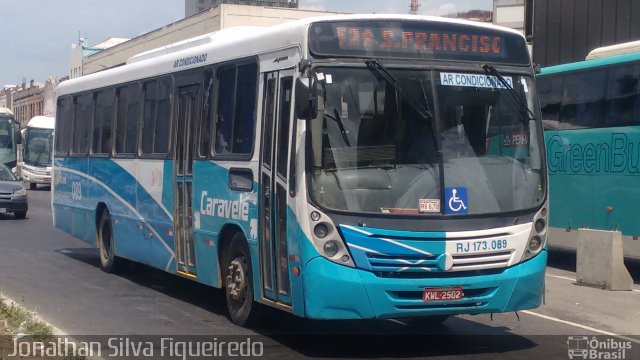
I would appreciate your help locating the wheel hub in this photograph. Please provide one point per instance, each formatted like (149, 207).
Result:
(236, 284)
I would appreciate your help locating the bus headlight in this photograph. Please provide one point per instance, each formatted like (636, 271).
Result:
(321, 231)
(538, 235)
(331, 248)
(327, 240)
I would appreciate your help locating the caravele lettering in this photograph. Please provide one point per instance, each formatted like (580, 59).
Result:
(390, 38)
(619, 155)
(222, 208)
(190, 61)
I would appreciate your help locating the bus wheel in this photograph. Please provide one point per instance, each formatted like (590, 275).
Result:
(238, 281)
(108, 261)
(33, 186)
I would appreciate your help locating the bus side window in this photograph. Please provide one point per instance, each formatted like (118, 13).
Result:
(623, 108)
(235, 121)
(82, 119)
(550, 92)
(583, 100)
(207, 118)
(102, 121)
(64, 119)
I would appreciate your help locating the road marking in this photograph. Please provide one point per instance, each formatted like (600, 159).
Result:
(574, 280)
(603, 332)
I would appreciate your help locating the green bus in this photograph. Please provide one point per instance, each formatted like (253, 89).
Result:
(591, 116)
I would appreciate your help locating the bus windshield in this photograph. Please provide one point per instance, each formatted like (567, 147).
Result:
(7, 143)
(38, 146)
(375, 151)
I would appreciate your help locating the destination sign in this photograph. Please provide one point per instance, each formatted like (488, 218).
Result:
(416, 39)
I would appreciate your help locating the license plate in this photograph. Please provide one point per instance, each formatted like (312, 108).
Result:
(442, 294)
(3, 210)
(47, 179)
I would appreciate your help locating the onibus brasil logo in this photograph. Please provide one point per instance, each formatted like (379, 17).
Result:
(582, 347)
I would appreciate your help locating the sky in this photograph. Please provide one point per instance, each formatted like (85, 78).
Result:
(37, 34)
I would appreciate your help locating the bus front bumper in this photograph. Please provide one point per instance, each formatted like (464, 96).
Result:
(44, 177)
(334, 291)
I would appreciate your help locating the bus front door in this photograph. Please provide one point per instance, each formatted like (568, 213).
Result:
(188, 98)
(273, 192)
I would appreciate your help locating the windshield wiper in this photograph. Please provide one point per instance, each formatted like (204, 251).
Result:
(336, 117)
(376, 67)
(490, 70)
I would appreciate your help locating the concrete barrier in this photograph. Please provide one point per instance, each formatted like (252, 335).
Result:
(600, 260)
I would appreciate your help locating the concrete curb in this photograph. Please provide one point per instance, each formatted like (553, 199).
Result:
(10, 302)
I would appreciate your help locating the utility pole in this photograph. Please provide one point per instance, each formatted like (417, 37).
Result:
(413, 9)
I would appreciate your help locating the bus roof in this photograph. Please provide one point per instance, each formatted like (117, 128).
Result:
(230, 44)
(613, 50)
(589, 64)
(5, 111)
(42, 122)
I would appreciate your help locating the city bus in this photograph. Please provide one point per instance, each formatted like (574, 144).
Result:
(343, 167)
(9, 139)
(591, 116)
(37, 150)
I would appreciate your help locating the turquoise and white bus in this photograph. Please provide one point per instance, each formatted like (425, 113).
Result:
(37, 151)
(591, 115)
(9, 139)
(346, 167)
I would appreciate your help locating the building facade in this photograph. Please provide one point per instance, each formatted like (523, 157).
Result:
(192, 7)
(213, 19)
(509, 13)
(29, 100)
(567, 30)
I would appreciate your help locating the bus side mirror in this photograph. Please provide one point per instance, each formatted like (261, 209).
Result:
(306, 98)
(18, 136)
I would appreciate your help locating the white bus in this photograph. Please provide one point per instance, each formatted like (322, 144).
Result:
(37, 151)
(9, 139)
(347, 167)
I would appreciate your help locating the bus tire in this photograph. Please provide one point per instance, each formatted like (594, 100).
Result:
(20, 215)
(33, 186)
(238, 281)
(109, 262)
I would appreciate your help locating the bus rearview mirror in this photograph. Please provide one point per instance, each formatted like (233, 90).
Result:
(18, 136)
(306, 98)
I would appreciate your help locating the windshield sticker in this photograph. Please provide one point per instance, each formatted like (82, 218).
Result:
(474, 80)
(320, 76)
(457, 200)
(429, 205)
(399, 211)
(329, 79)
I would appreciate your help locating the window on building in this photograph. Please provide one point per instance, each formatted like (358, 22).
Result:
(235, 122)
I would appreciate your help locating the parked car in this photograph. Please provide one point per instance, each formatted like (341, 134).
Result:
(13, 195)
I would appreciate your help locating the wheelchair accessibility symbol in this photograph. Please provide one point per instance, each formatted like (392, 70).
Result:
(456, 200)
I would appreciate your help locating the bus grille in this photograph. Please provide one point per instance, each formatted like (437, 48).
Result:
(481, 261)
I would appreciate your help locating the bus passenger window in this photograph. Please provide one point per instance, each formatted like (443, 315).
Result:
(235, 122)
(64, 119)
(82, 119)
(622, 96)
(104, 112)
